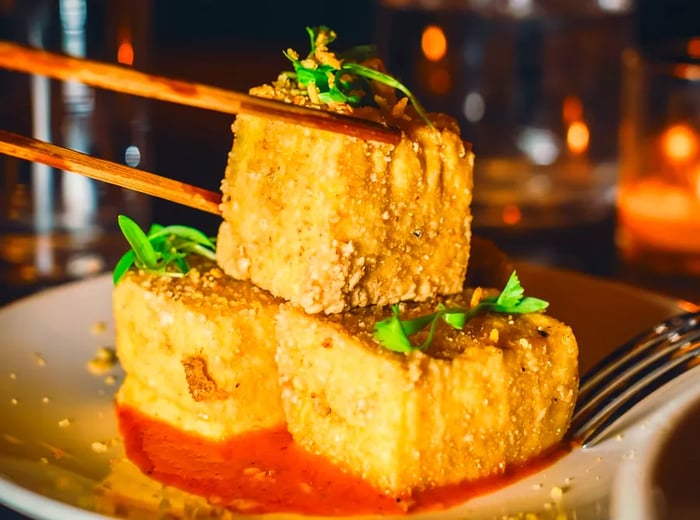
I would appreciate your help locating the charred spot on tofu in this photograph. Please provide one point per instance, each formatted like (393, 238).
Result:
(201, 385)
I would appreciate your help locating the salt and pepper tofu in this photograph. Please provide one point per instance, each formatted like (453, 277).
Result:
(330, 222)
(198, 351)
(320, 234)
(472, 405)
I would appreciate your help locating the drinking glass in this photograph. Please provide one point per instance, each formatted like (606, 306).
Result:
(658, 203)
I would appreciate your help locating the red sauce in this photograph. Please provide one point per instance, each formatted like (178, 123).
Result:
(265, 472)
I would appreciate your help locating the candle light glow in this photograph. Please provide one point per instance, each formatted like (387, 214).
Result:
(433, 43)
(679, 143)
(658, 194)
(125, 53)
(577, 137)
(663, 210)
(661, 215)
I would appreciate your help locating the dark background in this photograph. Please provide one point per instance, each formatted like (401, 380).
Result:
(237, 44)
(273, 21)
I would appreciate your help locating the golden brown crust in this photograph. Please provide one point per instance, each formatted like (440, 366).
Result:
(329, 222)
(389, 110)
(475, 403)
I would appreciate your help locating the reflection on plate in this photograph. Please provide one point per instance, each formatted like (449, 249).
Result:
(61, 457)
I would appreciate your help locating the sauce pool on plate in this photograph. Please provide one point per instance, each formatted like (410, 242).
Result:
(265, 472)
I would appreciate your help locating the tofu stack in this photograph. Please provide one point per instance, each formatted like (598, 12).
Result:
(321, 233)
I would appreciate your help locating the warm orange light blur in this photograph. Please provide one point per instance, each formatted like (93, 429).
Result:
(125, 53)
(439, 80)
(571, 109)
(577, 137)
(695, 181)
(693, 48)
(511, 214)
(433, 43)
(686, 71)
(679, 143)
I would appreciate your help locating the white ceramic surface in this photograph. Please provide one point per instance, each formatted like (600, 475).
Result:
(58, 438)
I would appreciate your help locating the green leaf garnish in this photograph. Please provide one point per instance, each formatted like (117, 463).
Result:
(393, 332)
(123, 265)
(139, 242)
(342, 78)
(163, 250)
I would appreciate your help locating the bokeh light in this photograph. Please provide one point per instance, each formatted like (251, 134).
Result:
(433, 43)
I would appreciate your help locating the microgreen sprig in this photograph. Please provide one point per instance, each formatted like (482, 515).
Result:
(393, 332)
(163, 250)
(341, 78)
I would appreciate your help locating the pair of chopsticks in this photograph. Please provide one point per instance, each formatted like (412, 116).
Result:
(128, 81)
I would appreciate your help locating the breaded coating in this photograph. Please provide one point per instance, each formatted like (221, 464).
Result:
(476, 402)
(219, 357)
(331, 222)
(198, 351)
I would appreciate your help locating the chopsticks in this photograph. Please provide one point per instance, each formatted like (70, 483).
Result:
(128, 81)
(134, 179)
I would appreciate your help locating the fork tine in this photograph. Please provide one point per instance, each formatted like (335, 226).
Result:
(636, 374)
(631, 358)
(608, 367)
(600, 421)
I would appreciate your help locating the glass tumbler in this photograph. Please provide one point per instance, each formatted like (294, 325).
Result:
(658, 203)
(535, 87)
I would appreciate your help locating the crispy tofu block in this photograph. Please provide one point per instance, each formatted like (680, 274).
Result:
(477, 402)
(198, 351)
(330, 222)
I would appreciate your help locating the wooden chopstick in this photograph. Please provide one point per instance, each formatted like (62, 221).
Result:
(113, 173)
(121, 79)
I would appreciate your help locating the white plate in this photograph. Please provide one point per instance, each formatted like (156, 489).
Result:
(56, 417)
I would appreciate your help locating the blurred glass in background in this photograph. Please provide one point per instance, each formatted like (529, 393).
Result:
(57, 226)
(659, 191)
(535, 85)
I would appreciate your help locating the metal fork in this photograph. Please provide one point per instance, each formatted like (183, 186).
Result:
(633, 371)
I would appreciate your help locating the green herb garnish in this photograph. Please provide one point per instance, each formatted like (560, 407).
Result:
(342, 78)
(393, 332)
(163, 250)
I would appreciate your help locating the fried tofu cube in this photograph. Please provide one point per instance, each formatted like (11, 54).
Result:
(331, 222)
(477, 402)
(198, 351)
